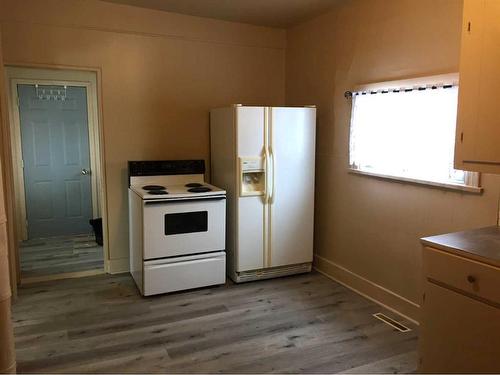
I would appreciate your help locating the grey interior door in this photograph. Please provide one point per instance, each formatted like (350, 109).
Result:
(55, 147)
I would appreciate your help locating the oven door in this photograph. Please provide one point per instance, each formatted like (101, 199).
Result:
(181, 227)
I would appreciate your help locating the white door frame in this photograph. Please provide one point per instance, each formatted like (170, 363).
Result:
(79, 78)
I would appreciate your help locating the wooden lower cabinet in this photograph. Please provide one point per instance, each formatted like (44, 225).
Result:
(460, 332)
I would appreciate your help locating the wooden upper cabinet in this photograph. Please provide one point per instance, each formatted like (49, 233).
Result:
(478, 122)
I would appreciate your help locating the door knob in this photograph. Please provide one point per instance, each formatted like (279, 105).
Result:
(85, 171)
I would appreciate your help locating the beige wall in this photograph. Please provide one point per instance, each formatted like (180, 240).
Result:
(370, 227)
(161, 73)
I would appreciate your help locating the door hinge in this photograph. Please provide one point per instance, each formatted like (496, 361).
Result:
(462, 137)
(22, 163)
(468, 26)
(17, 101)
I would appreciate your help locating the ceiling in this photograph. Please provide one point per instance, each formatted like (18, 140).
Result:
(274, 13)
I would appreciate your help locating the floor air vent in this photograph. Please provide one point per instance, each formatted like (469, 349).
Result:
(400, 327)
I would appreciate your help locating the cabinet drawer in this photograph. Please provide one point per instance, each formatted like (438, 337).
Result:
(472, 277)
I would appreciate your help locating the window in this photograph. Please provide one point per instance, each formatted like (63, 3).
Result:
(408, 134)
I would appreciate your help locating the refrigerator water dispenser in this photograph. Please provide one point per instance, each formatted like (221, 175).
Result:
(253, 176)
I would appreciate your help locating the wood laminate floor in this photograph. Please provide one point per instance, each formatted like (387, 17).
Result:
(297, 324)
(57, 255)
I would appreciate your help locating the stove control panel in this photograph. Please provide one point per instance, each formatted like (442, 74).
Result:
(252, 176)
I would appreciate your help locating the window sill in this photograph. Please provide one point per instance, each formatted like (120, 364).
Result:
(439, 185)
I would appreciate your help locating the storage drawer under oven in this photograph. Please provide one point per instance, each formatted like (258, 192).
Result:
(170, 275)
(174, 228)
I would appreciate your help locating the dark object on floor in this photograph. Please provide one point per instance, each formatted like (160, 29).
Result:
(97, 226)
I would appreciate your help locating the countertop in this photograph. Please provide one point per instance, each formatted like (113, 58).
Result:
(481, 244)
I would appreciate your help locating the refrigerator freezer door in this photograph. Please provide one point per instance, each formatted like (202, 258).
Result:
(292, 143)
(250, 209)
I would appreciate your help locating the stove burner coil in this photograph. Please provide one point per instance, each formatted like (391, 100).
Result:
(193, 184)
(199, 189)
(158, 192)
(153, 187)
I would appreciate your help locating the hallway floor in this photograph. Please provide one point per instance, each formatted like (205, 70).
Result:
(57, 255)
(296, 324)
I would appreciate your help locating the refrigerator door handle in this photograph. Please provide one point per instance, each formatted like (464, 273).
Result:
(271, 177)
(266, 175)
(267, 160)
(271, 154)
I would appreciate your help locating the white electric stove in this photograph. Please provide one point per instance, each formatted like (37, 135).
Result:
(177, 226)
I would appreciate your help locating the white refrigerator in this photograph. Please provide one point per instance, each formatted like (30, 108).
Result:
(264, 158)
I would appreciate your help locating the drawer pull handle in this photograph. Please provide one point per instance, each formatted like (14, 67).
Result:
(471, 279)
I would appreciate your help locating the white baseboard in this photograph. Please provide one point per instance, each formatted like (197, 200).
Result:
(120, 265)
(368, 289)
